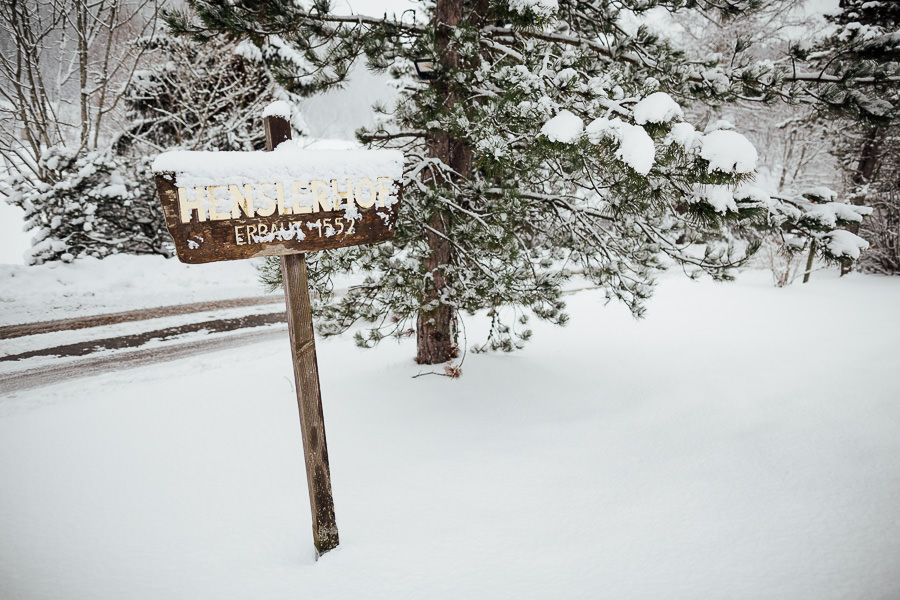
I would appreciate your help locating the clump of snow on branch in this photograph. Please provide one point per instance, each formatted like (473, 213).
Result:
(728, 151)
(842, 243)
(720, 197)
(684, 135)
(658, 107)
(541, 8)
(565, 127)
(831, 213)
(249, 50)
(636, 147)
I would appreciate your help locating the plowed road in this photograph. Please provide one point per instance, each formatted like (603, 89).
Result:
(127, 350)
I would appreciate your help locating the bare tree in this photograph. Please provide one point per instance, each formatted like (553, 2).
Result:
(63, 69)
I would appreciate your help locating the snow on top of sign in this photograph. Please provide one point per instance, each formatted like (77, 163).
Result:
(279, 108)
(658, 107)
(287, 162)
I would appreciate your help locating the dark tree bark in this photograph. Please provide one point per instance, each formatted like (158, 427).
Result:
(866, 168)
(436, 328)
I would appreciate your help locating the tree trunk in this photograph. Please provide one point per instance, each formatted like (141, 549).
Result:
(436, 328)
(865, 169)
(81, 26)
(809, 261)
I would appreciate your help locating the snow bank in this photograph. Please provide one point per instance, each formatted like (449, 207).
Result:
(651, 464)
(88, 286)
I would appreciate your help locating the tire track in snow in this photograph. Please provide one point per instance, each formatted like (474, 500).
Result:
(13, 331)
(139, 339)
(118, 360)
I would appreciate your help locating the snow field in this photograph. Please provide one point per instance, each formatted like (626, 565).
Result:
(117, 283)
(740, 442)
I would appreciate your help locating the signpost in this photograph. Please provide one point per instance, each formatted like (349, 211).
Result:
(284, 202)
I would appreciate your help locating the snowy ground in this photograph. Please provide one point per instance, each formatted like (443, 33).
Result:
(740, 442)
(118, 283)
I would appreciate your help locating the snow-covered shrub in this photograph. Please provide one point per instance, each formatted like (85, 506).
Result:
(811, 223)
(94, 203)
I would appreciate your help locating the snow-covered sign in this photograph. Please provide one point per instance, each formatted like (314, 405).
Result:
(233, 205)
(284, 202)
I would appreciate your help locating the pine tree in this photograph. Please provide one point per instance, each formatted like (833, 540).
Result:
(854, 74)
(548, 141)
(92, 203)
(856, 70)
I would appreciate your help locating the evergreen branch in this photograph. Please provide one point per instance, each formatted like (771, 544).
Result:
(363, 19)
(822, 77)
(491, 274)
(554, 199)
(570, 40)
(384, 136)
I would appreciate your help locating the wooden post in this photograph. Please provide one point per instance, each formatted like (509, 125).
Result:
(306, 377)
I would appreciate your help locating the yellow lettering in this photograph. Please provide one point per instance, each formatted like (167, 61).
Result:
(339, 195)
(384, 190)
(279, 194)
(187, 206)
(251, 232)
(361, 198)
(237, 236)
(320, 196)
(296, 207)
(262, 193)
(214, 214)
(241, 201)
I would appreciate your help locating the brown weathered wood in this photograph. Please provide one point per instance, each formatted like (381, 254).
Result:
(278, 130)
(306, 378)
(210, 241)
(309, 400)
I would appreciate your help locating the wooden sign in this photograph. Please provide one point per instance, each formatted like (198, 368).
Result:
(233, 205)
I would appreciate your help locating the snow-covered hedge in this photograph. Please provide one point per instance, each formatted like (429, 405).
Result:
(97, 204)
